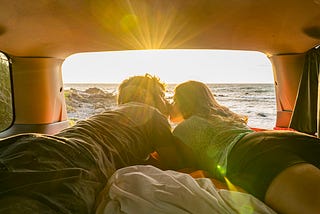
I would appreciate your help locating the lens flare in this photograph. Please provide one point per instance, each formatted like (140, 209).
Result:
(142, 25)
(129, 22)
(230, 185)
(243, 203)
(221, 170)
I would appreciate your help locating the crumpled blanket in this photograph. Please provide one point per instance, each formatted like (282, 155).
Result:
(64, 173)
(146, 189)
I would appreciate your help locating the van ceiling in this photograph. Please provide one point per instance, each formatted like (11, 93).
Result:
(59, 28)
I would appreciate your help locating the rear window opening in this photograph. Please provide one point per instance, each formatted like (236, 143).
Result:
(6, 101)
(240, 80)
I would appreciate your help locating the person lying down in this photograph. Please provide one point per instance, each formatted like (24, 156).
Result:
(145, 189)
(64, 173)
(281, 168)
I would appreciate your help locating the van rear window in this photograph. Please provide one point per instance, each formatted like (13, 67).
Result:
(240, 80)
(6, 105)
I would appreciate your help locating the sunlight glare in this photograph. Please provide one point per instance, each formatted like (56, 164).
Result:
(142, 26)
(171, 66)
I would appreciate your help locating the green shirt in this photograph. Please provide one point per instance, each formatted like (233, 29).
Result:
(211, 141)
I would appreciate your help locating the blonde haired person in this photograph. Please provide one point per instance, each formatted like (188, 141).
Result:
(146, 89)
(280, 168)
(64, 173)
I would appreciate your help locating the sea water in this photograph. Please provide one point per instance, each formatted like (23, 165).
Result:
(257, 101)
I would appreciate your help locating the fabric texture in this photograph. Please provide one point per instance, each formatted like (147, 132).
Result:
(146, 189)
(259, 157)
(64, 173)
(211, 141)
(304, 117)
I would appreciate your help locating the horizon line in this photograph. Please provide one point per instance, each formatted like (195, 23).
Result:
(172, 82)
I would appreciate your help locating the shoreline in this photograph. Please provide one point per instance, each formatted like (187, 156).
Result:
(256, 101)
(83, 104)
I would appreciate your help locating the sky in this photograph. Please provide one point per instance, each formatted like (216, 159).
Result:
(171, 66)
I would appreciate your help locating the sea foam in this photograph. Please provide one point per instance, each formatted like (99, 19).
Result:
(257, 101)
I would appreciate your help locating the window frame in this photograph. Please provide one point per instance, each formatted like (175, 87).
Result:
(11, 92)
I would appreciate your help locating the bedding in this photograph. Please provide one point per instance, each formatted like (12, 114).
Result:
(74, 171)
(146, 189)
(64, 173)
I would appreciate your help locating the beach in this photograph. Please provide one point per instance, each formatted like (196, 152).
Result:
(257, 101)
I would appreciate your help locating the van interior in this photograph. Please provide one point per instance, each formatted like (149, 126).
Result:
(36, 37)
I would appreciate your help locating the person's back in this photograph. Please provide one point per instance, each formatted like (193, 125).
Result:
(64, 173)
(280, 168)
(126, 135)
(211, 140)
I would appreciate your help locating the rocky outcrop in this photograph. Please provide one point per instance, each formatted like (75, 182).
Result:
(82, 104)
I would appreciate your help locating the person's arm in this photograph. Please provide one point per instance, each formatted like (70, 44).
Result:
(172, 153)
(165, 145)
(188, 157)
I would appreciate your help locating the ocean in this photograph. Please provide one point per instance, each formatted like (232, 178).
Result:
(257, 101)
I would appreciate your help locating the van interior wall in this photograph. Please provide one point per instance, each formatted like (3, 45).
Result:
(318, 113)
(287, 71)
(304, 116)
(38, 90)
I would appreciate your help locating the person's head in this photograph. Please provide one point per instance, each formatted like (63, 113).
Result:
(195, 98)
(144, 89)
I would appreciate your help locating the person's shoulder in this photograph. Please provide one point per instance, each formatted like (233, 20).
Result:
(139, 107)
(195, 120)
(192, 122)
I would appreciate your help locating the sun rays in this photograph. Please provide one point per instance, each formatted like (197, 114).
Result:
(141, 25)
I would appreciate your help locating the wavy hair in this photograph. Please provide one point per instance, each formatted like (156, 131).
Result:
(145, 89)
(195, 98)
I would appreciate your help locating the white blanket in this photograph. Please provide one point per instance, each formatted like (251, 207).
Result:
(146, 189)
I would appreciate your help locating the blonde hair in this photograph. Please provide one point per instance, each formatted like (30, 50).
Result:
(145, 89)
(195, 98)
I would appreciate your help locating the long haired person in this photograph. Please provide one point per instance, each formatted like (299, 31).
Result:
(280, 168)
